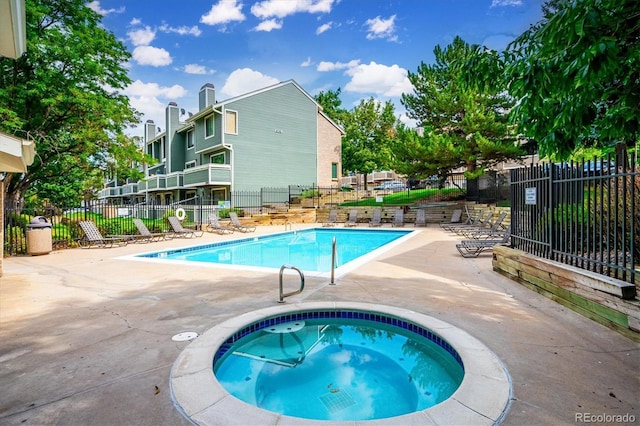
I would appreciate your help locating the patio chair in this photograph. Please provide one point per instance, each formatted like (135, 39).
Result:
(332, 220)
(177, 230)
(235, 223)
(398, 218)
(456, 215)
(472, 248)
(376, 219)
(147, 236)
(491, 228)
(421, 218)
(214, 225)
(479, 220)
(93, 237)
(353, 219)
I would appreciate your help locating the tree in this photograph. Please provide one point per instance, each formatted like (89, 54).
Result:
(465, 125)
(331, 105)
(64, 94)
(369, 130)
(576, 76)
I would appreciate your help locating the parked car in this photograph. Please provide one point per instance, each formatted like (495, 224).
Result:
(392, 185)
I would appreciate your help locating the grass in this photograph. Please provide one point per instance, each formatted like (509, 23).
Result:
(407, 197)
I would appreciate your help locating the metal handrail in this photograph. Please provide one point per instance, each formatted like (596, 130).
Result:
(334, 248)
(283, 295)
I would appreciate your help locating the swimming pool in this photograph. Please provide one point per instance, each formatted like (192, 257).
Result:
(309, 250)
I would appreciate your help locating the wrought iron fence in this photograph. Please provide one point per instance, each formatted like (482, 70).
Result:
(583, 214)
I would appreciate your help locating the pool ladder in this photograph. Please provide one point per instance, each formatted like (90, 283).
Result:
(282, 294)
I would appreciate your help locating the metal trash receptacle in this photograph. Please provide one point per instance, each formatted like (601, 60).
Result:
(39, 240)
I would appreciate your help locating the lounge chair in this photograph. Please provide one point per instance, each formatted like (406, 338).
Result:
(487, 231)
(332, 220)
(214, 225)
(477, 221)
(421, 218)
(93, 237)
(472, 248)
(147, 236)
(353, 219)
(235, 224)
(456, 215)
(398, 218)
(177, 230)
(376, 219)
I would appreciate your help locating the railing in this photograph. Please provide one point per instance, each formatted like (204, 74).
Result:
(282, 295)
(582, 214)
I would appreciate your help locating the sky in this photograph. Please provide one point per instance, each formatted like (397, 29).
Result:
(363, 47)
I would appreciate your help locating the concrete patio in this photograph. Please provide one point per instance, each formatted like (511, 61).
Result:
(86, 337)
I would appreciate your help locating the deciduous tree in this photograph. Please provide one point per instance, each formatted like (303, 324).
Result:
(576, 76)
(65, 94)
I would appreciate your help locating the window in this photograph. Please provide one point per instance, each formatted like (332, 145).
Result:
(190, 164)
(231, 122)
(208, 126)
(334, 170)
(190, 139)
(218, 158)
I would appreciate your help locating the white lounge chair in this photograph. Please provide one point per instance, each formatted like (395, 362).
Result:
(237, 225)
(353, 219)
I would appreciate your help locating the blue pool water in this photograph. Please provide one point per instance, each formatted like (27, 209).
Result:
(339, 369)
(308, 250)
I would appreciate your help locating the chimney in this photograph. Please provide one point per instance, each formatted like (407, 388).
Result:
(207, 96)
(149, 130)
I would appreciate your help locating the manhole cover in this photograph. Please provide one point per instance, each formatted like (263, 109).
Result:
(187, 335)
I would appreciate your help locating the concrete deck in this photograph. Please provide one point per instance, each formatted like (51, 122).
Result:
(85, 338)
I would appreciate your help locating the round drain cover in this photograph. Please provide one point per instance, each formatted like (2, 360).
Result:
(187, 335)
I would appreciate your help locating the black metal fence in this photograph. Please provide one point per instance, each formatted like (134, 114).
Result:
(582, 214)
(117, 219)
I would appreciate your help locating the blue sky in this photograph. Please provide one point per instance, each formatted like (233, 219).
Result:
(364, 47)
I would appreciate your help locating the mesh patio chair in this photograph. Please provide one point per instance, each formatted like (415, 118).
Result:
(376, 219)
(421, 218)
(214, 225)
(146, 235)
(398, 218)
(180, 231)
(93, 238)
(332, 220)
(237, 225)
(353, 219)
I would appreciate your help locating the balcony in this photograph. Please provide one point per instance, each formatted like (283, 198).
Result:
(175, 180)
(129, 189)
(156, 182)
(208, 174)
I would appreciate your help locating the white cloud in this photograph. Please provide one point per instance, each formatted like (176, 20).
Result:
(141, 89)
(245, 80)
(380, 79)
(224, 12)
(498, 3)
(149, 55)
(306, 63)
(282, 8)
(324, 27)
(142, 37)
(325, 66)
(95, 6)
(268, 25)
(135, 21)
(183, 30)
(196, 69)
(381, 28)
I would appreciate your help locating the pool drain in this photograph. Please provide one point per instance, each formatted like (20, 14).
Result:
(183, 337)
(337, 401)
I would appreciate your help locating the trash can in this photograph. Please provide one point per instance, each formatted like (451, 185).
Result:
(39, 236)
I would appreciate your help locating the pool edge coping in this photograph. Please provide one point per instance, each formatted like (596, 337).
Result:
(202, 399)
